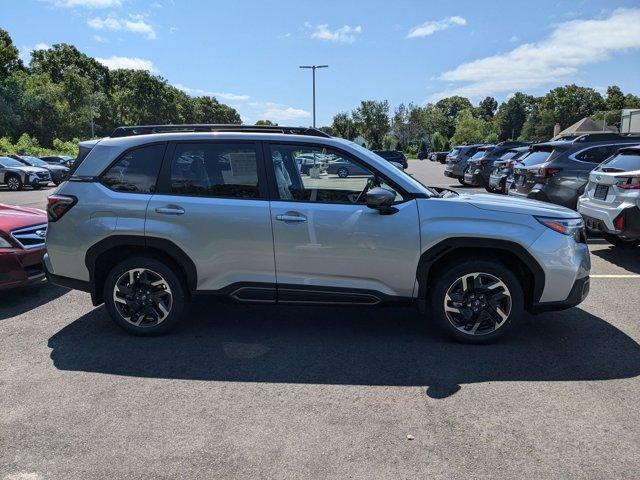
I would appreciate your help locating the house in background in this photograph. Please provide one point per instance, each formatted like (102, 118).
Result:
(360, 141)
(584, 126)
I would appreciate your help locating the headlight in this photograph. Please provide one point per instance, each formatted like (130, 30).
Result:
(5, 244)
(566, 226)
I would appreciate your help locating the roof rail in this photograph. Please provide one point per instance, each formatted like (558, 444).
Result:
(150, 129)
(604, 136)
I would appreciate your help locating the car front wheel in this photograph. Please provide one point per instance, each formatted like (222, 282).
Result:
(477, 301)
(144, 296)
(14, 183)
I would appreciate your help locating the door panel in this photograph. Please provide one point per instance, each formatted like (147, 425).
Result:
(347, 246)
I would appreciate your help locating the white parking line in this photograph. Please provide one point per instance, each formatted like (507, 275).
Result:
(614, 276)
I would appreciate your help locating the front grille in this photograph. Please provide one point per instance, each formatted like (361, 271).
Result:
(42, 175)
(601, 192)
(30, 237)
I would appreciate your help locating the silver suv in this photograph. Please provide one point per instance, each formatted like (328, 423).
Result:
(153, 215)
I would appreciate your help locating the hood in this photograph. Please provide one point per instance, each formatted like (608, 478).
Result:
(56, 168)
(13, 217)
(29, 169)
(510, 204)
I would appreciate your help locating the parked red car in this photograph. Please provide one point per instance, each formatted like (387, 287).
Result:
(22, 236)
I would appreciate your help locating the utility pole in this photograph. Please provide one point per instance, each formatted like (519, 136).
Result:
(313, 68)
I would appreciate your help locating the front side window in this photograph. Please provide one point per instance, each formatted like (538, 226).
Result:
(324, 175)
(215, 170)
(597, 154)
(137, 171)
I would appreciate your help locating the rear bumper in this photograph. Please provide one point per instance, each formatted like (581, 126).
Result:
(454, 170)
(20, 267)
(66, 282)
(558, 194)
(497, 179)
(602, 218)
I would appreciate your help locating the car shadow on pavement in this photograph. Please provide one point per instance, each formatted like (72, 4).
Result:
(627, 258)
(24, 299)
(346, 346)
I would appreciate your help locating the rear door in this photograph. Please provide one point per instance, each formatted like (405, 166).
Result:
(212, 202)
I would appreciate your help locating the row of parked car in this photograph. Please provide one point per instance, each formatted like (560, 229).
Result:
(596, 174)
(18, 171)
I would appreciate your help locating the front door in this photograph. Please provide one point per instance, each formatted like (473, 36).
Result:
(212, 202)
(329, 246)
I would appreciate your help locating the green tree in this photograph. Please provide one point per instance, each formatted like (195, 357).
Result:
(539, 125)
(471, 129)
(451, 107)
(406, 125)
(433, 119)
(512, 114)
(343, 126)
(487, 108)
(265, 122)
(9, 59)
(571, 103)
(373, 118)
(438, 142)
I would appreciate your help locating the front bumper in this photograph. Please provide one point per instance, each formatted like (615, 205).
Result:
(578, 293)
(20, 267)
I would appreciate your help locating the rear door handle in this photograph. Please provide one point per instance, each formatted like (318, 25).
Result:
(291, 218)
(170, 210)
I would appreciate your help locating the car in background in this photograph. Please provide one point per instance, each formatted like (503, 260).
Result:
(456, 161)
(502, 169)
(22, 245)
(58, 172)
(344, 168)
(64, 160)
(306, 161)
(611, 200)
(438, 156)
(423, 154)
(563, 172)
(480, 165)
(393, 156)
(15, 175)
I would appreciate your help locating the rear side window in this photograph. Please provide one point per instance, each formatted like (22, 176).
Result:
(137, 171)
(215, 170)
(625, 161)
(597, 154)
(454, 152)
(535, 157)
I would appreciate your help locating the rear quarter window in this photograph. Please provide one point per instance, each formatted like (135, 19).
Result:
(136, 171)
(626, 161)
(597, 154)
(536, 157)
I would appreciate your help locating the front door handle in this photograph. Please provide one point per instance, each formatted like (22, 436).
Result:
(291, 218)
(170, 210)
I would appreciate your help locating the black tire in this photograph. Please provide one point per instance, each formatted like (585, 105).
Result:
(461, 181)
(448, 282)
(177, 296)
(343, 172)
(620, 242)
(489, 189)
(36, 186)
(14, 183)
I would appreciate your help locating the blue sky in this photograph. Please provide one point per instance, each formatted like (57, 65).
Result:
(247, 52)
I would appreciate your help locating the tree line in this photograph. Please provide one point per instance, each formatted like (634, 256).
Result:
(61, 92)
(455, 120)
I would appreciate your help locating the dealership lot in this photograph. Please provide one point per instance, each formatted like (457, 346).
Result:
(295, 392)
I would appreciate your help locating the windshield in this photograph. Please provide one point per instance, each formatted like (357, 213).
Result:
(10, 162)
(33, 161)
(408, 177)
(535, 157)
(624, 161)
(479, 154)
(454, 152)
(508, 155)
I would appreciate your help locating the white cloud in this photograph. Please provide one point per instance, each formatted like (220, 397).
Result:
(570, 46)
(132, 63)
(284, 114)
(100, 39)
(232, 97)
(344, 34)
(134, 25)
(85, 3)
(431, 27)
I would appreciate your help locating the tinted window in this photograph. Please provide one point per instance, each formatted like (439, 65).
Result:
(597, 154)
(478, 154)
(454, 152)
(626, 161)
(137, 171)
(10, 162)
(332, 178)
(33, 161)
(535, 157)
(215, 170)
(507, 155)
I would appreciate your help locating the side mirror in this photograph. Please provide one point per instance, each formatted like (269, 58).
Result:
(382, 200)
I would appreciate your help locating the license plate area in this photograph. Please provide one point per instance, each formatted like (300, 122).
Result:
(601, 191)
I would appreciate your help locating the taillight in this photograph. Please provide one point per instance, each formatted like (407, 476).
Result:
(483, 162)
(547, 172)
(58, 205)
(453, 160)
(628, 183)
(619, 222)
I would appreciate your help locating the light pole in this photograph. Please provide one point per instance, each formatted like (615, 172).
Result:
(313, 68)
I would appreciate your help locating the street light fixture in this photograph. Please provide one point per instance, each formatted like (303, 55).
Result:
(313, 68)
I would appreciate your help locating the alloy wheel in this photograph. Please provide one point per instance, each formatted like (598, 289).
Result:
(13, 183)
(142, 297)
(477, 303)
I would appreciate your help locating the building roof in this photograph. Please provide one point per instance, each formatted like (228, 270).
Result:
(586, 125)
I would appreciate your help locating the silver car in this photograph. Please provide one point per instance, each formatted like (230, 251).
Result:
(15, 175)
(153, 215)
(611, 200)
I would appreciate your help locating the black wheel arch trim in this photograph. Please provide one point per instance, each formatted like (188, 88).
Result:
(436, 252)
(167, 247)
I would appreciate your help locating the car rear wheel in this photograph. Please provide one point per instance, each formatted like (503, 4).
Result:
(477, 301)
(144, 296)
(620, 242)
(343, 172)
(461, 181)
(14, 183)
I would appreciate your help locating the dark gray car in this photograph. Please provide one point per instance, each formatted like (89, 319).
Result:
(457, 161)
(479, 166)
(502, 169)
(558, 172)
(58, 172)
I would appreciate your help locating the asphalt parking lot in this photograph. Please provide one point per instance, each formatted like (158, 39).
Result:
(240, 391)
